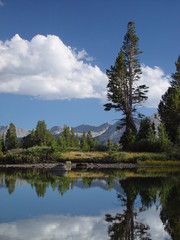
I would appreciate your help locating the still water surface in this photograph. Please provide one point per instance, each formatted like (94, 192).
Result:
(38, 205)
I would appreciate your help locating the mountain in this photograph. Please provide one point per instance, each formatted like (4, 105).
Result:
(20, 132)
(102, 133)
(96, 131)
(56, 130)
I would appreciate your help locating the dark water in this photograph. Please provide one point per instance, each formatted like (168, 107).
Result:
(37, 205)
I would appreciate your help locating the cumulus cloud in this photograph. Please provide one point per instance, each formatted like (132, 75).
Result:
(157, 82)
(46, 68)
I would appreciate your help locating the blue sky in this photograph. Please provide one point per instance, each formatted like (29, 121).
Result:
(54, 54)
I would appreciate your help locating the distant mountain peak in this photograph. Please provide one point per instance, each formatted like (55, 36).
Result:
(102, 132)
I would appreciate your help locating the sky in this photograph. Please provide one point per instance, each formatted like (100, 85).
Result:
(54, 55)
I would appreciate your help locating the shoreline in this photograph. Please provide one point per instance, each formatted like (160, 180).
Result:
(68, 166)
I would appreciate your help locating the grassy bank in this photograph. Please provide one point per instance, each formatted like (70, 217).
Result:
(47, 155)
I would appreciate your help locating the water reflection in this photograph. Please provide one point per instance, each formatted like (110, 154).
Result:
(144, 207)
(170, 212)
(125, 225)
(55, 227)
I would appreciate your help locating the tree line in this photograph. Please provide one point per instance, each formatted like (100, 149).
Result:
(41, 136)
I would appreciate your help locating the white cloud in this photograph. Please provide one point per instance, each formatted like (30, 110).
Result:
(48, 69)
(157, 82)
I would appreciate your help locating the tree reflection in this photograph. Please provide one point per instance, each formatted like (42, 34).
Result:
(170, 212)
(124, 225)
(10, 184)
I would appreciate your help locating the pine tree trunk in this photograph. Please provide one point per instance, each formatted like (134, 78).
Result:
(130, 125)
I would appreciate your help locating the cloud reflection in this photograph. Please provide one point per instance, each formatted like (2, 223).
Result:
(56, 227)
(68, 227)
(151, 217)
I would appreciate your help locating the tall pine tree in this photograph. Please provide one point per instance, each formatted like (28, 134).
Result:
(41, 133)
(169, 106)
(124, 93)
(11, 139)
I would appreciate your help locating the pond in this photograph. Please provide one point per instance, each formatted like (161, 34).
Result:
(37, 205)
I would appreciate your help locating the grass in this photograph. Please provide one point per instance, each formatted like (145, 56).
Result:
(135, 157)
(159, 163)
(78, 155)
(45, 154)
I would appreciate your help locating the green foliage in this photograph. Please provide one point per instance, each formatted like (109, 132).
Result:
(178, 137)
(68, 139)
(128, 139)
(90, 141)
(3, 142)
(100, 147)
(66, 133)
(146, 140)
(124, 93)
(165, 143)
(11, 140)
(0, 148)
(41, 134)
(176, 76)
(169, 106)
(87, 143)
(169, 111)
(62, 142)
(40, 137)
(29, 140)
(83, 143)
(119, 157)
(109, 146)
(115, 147)
(146, 130)
(146, 145)
(35, 154)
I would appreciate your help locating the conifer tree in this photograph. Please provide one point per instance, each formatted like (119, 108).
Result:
(90, 140)
(115, 147)
(124, 93)
(146, 129)
(83, 143)
(163, 138)
(76, 141)
(11, 139)
(67, 136)
(41, 133)
(62, 142)
(176, 76)
(0, 148)
(3, 142)
(109, 145)
(72, 138)
(169, 106)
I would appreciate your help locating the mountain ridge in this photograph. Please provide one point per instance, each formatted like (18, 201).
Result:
(102, 132)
